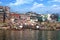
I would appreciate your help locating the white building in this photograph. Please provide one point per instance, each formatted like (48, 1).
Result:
(48, 17)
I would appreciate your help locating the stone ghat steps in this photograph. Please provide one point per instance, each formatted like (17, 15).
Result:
(8, 28)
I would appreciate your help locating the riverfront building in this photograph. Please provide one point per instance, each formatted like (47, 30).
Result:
(4, 14)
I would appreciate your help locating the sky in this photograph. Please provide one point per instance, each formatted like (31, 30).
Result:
(38, 6)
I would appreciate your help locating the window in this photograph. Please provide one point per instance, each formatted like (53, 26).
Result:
(1, 10)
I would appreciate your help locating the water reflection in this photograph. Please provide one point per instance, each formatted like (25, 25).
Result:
(29, 35)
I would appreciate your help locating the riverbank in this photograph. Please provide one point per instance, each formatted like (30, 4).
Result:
(43, 26)
(7, 28)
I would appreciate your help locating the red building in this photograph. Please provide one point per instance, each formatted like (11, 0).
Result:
(14, 17)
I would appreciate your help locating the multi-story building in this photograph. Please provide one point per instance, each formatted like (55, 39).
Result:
(24, 18)
(58, 18)
(4, 14)
(14, 17)
(48, 17)
(33, 16)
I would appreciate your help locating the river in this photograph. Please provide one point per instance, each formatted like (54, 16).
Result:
(29, 35)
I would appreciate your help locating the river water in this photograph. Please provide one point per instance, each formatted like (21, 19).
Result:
(29, 35)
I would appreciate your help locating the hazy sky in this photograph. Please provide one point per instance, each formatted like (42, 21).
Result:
(39, 6)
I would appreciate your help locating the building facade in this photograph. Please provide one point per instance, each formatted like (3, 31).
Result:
(14, 17)
(4, 14)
